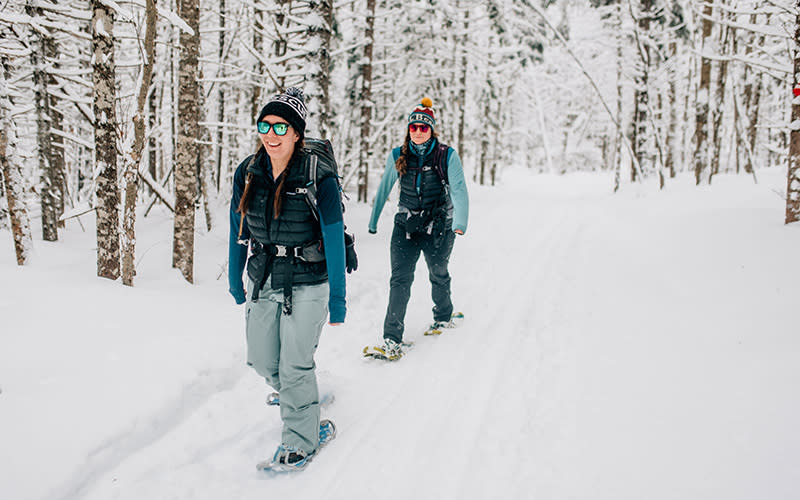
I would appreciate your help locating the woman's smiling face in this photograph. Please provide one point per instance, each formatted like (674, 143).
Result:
(278, 147)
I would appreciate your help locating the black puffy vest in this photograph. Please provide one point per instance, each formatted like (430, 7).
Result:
(421, 187)
(294, 227)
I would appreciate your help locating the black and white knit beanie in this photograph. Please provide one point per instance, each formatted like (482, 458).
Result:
(290, 106)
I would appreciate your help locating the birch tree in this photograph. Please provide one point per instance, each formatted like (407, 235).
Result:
(12, 180)
(186, 157)
(793, 174)
(134, 156)
(104, 96)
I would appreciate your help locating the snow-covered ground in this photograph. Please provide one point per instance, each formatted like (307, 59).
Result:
(621, 346)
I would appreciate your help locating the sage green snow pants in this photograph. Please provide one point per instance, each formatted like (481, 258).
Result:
(281, 349)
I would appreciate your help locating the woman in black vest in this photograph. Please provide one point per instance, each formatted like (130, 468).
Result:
(433, 208)
(296, 271)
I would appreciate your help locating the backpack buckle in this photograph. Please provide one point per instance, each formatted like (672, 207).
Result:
(281, 251)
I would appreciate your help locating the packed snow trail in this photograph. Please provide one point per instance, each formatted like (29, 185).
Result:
(460, 417)
(615, 347)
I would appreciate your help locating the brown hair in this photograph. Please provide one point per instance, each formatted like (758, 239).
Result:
(244, 202)
(402, 161)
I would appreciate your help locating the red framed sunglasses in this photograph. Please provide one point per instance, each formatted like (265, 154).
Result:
(418, 127)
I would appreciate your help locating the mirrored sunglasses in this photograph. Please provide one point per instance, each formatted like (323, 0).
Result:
(418, 126)
(278, 128)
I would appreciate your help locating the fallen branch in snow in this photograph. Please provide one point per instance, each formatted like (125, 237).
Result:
(76, 212)
(159, 191)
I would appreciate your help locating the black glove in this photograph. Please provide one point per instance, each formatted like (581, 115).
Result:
(350, 257)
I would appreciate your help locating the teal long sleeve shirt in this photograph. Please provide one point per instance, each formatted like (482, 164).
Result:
(455, 179)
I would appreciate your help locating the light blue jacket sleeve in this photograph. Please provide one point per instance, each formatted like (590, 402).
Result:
(384, 190)
(458, 191)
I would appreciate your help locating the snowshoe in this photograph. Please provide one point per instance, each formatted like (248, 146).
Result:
(389, 351)
(290, 459)
(439, 326)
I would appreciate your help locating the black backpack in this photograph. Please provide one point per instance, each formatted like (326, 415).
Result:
(321, 151)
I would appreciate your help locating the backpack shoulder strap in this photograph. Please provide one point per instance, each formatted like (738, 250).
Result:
(311, 162)
(440, 155)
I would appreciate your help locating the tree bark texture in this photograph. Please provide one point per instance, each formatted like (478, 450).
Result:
(135, 157)
(641, 130)
(49, 184)
(258, 45)
(220, 96)
(187, 150)
(204, 169)
(717, 110)
(702, 145)
(366, 104)
(461, 102)
(793, 176)
(105, 138)
(669, 162)
(323, 57)
(12, 177)
(752, 96)
(618, 137)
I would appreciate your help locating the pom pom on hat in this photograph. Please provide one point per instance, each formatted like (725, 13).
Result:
(423, 113)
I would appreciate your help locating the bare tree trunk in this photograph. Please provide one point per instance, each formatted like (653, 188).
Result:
(152, 144)
(702, 146)
(58, 167)
(719, 99)
(793, 175)
(669, 163)
(461, 102)
(105, 138)
(11, 174)
(752, 98)
(618, 136)
(641, 132)
(4, 215)
(48, 181)
(258, 45)
(484, 149)
(186, 150)
(685, 141)
(204, 169)
(135, 156)
(366, 103)
(220, 93)
(323, 58)
(543, 128)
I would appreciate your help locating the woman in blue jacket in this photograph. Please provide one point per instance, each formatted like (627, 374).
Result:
(433, 208)
(296, 270)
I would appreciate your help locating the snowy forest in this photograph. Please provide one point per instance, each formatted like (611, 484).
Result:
(117, 106)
